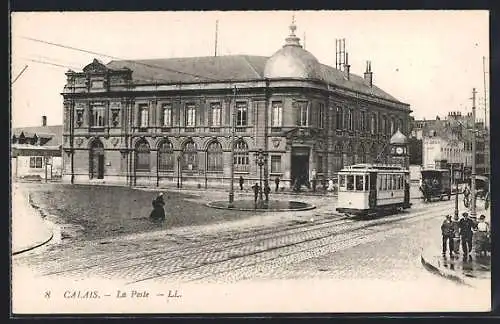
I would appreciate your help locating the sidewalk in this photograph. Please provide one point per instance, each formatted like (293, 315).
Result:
(472, 270)
(29, 230)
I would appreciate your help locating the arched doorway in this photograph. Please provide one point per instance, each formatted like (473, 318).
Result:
(96, 160)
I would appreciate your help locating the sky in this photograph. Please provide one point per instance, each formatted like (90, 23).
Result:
(429, 59)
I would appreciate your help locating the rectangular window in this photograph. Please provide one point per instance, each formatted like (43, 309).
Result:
(321, 115)
(275, 163)
(277, 116)
(359, 183)
(342, 182)
(241, 114)
(143, 115)
(167, 115)
(338, 118)
(350, 183)
(385, 182)
(362, 122)
(350, 120)
(381, 182)
(304, 114)
(36, 162)
(367, 178)
(190, 115)
(97, 84)
(97, 119)
(373, 126)
(216, 113)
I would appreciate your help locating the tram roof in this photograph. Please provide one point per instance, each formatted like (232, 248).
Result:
(373, 167)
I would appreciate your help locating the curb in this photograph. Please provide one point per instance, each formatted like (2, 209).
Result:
(446, 273)
(309, 207)
(34, 246)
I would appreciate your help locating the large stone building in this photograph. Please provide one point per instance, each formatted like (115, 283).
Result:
(450, 139)
(168, 121)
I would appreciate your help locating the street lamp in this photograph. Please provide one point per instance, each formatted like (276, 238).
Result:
(179, 170)
(261, 159)
(456, 175)
(231, 164)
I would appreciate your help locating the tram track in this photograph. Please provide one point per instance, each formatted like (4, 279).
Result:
(342, 236)
(224, 250)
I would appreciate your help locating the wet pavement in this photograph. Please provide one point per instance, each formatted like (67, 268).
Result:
(271, 205)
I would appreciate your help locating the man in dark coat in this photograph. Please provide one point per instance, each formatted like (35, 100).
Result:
(447, 234)
(255, 188)
(267, 190)
(277, 182)
(158, 213)
(241, 182)
(466, 225)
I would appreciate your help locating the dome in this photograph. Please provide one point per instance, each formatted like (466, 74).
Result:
(398, 138)
(292, 61)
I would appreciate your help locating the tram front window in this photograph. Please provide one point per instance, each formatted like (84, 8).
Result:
(350, 182)
(359, 183)
(342, 182)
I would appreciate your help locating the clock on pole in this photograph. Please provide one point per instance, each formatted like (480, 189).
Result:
(399, 149)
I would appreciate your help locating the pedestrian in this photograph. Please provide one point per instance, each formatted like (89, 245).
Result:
(255, 188)
(158, 212)
(483, 236)
(241, 183)
(456, 235)
(466, 193)
(277, 182)
(447, 235)
(487, 201)
(466, 225)
(267, 190)
(313, 179)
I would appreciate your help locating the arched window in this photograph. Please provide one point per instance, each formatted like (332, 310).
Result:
(142, 153)
(214, 157)
(392, 130)
(165, 156)
(373, 125)
(241, 160)
(190, 154)
(337, 157)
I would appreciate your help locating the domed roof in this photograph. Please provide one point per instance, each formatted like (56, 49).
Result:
(398, 138)
(293, 61)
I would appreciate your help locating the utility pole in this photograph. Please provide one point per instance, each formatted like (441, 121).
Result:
(216, 35)
(484, 86)
(473, 173)
(231, 162)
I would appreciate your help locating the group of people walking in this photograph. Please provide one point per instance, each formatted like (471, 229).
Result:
(463, 231)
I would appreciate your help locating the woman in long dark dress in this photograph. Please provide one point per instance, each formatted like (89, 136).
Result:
(158, 213)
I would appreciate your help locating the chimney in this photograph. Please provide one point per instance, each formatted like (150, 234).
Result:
(347, 67)
(44, 121)
(368, 74)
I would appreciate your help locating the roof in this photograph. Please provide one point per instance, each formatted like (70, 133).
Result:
(229, 68)
(398, 138)
(54, 132)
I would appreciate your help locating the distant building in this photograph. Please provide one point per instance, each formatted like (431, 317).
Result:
(450, 139)
(36, 152)
(168, 121)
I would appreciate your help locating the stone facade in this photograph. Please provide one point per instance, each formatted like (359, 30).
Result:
(121, 128)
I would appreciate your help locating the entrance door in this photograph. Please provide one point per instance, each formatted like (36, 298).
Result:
(100, 166)
(300, 165)
(96, 160)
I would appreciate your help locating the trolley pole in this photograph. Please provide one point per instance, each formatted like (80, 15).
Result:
(473, 173)
(231, 163)
(456, 190)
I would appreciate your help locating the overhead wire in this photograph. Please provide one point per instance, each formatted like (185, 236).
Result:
(123, 60)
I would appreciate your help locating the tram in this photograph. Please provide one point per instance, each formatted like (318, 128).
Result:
(373, 189)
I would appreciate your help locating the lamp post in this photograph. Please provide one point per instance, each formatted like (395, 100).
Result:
(473, 173)
(260, 162)
(178, 171)
(231, 163)
(456, 176)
